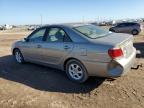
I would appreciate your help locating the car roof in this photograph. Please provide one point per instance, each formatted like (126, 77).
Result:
(65, 25)
(129, 23)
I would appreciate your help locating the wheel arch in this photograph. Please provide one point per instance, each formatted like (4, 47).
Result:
(15, 50)
(135, 30)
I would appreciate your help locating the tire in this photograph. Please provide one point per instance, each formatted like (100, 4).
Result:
(135, 32)
(18, 56)
(112, 30)
(76, 71)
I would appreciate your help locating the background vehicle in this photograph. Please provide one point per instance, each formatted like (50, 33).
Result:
(7, 27)
(128, 27)
(80, 50)
(33, 27)
(1, 28)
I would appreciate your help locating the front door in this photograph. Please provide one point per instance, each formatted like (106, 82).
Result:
(121, 28)
(32, 48)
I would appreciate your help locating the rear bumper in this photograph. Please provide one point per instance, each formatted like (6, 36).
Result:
(123, 65)
(115, 68)
(140, 30)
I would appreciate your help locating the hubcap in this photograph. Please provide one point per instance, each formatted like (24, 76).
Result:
(18, 57)
(75, 71)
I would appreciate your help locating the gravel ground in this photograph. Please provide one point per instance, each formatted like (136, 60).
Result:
(35, 86)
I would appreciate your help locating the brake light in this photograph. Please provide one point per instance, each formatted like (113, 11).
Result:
(115, 53)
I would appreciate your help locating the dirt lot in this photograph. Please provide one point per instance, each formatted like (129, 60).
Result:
(34, 86)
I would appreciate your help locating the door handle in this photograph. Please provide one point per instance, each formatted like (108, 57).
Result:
(39, 46)
(66, 47)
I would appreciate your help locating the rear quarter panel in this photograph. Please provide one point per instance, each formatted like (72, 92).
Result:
(90, 52)
(98, 53)
(94, 57)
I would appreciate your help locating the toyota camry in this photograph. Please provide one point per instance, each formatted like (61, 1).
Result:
(81, 50)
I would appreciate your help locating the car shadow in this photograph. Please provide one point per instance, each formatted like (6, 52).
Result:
(140, 49)
(43, 78)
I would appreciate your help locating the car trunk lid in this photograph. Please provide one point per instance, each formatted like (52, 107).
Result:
(117, 40)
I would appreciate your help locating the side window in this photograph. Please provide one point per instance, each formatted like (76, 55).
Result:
(38, 36)
(56, 35)
(131, 24)
(128, 24)
(67, 39)
(121, 25)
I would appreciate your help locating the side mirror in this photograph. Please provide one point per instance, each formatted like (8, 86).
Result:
(26, 39)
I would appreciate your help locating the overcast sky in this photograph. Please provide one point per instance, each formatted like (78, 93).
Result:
(60, 11)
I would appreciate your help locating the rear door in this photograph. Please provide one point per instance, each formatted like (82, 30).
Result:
(57, 46)
(129, 27)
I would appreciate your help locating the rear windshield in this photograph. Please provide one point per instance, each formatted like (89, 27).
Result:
(92, 31)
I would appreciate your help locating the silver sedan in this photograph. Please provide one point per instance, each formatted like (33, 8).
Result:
(80, 50)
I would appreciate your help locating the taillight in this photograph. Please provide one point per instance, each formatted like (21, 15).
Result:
(115, 53)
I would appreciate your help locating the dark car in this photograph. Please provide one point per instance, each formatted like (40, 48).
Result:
(129, 27)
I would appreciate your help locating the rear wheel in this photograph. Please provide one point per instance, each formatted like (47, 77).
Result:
(135, 32)
(76, 71)
(18, 56)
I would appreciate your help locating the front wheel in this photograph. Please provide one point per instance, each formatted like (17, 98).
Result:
(76, 71)
(18, 56)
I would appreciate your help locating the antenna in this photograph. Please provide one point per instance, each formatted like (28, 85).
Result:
(83, 19)
(41, 19)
